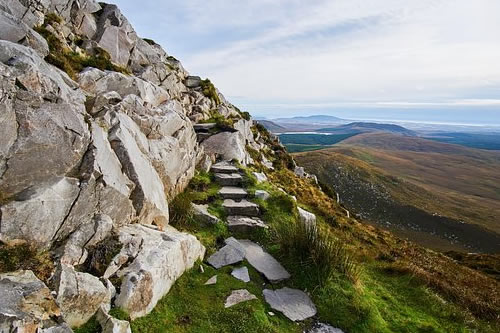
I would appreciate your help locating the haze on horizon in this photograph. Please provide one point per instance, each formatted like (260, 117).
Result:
(428, 60)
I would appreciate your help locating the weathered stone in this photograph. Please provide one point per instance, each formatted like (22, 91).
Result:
(201, 212)
(225, 179)
(79, 295)
(33, 129)
(299, 171)
(324, 328)
(241, 273)
(293, 303)
(26, 304)
(14, 30)
(148, 196)
(224, 167)
(193, 81)
(158, 258)
(263, 262)
(244, 224)
(40, 214)
(262, 195)
(231, 192)
(212, 280)
(109, 324)
(227, 146)
(239, 296)
(242, 208)
(260, 176)
(309, 219)
(204, 126)
(227, 255)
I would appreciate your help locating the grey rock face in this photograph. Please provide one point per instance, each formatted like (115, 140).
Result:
(201, 212)
(263, 262)
(227, 146)
(244, 223)
(238, 296)
(293, 303)
(193, 81)
(231, 192)
(242, 208)
(79, 295)
(14, 30)
(241, 274)
(26, 303)
(158, 259)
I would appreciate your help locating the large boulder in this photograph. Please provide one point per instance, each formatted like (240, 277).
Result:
(26, 304)
(15, 30)
(79, 295)
(227, 146)
(158, 259)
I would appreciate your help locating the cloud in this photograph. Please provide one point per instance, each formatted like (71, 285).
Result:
(343, 51)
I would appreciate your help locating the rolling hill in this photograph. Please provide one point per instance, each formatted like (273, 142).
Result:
(441, 195)
(363, 127)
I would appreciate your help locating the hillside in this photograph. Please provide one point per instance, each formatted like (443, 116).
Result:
(417, 186)
(135, 198)
(362, 127)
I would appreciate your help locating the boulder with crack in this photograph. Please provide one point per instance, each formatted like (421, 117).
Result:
(26, 304)
(158, 259)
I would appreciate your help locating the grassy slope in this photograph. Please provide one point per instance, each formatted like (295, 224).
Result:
(450, 180)
(388, 297)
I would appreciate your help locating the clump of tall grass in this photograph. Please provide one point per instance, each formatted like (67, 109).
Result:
(321, 254)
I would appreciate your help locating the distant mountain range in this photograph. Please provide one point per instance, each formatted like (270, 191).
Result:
(316, 119)
(363, 127)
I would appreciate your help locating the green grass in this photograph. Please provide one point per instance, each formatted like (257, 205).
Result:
(299, 148)
(191, 306)
(209, 91)
(314, 139)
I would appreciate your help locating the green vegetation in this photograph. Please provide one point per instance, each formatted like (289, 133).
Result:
(25, 257)
(490, 141)
(223, 124)
(149, 41)
(91, 326)
(314, 139)
(69, 61)
(298, 148)
(100, 256)
(209, 91)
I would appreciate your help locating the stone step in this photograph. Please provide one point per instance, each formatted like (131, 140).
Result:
(203, 127)
(293, 303)
(224, 167)
(262, 261)
(241, 208)
(228, 179)
(232, 192)
(244, 224)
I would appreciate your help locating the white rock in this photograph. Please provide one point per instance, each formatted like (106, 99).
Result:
(201, 212)
(261, 177)
(324, 328)
(309, 219)
(262, 195)
(110, 324)
(238, 296)
(212, 280)
(159, 258)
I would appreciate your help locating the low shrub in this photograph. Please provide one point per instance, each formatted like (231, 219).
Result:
(209, 91)
(26, 257)
(181, 211)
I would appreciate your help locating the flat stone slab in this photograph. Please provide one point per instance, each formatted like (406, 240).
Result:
(261, 177)
(212, 280)
(224, 167)
(238, 296)
(293, 303)
(231, 253)
(244, 223)
(232, 192)
(324, 328)
(263, 262)
(241, 208)
(201, 212)
(228, 179)
(241, 274)
(204, 127)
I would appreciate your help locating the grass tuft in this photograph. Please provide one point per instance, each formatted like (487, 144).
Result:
(26, 257)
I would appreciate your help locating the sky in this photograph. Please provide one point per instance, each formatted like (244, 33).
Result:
(436, 60)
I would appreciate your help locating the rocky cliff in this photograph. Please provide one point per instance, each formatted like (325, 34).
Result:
(98, 133)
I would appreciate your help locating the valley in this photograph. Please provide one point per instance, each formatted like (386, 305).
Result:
(443, 196)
